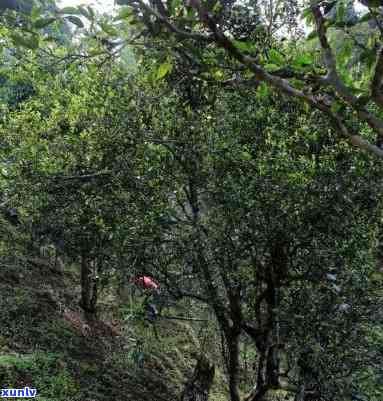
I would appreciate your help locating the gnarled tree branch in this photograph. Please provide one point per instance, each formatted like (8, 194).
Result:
(171, 27)
(334, 79)
(282, 85)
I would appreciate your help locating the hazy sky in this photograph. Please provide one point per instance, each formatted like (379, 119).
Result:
(100, 5)
(107, 5)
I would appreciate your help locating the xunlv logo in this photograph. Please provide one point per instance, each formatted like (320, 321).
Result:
(25, 392)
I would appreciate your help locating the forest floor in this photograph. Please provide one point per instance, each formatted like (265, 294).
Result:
(46, 344)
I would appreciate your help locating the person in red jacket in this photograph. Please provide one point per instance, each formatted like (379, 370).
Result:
(153, 289)
(146, 282)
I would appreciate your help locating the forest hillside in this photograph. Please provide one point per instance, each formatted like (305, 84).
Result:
(47, 344)
(191, 200)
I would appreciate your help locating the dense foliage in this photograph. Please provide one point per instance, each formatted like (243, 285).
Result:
(207, 145)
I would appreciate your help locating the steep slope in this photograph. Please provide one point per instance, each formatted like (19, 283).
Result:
(46, 344)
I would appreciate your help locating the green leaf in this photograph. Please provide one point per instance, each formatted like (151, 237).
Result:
(303, 60)
(262, 91)
(272, 67)
(84, 12)
(30, 42)
(366, 17)
(218, 74)
(69, 10)
(75, 20)
(374, 3)
(367, 56)
(246, 156)
(108, 28)
(312, 35)
(336, 106)
(173, 5)
(164, 69)
(91, 12)
(276, 57)
(43, 22)
(125, 13)
(340, 11)
(307, 15)
(244, 46)
(306, 12)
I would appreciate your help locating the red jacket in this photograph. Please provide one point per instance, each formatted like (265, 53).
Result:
(146, 282)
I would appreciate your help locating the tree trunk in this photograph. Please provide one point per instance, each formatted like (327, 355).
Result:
(233, 366)
(300, 396)
(267, 343)
(88, 288)
(198, 387)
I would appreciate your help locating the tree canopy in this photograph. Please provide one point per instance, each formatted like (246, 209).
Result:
(210, 146)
